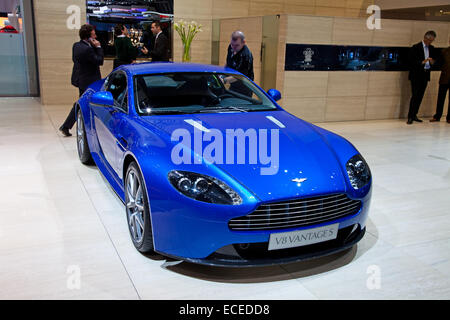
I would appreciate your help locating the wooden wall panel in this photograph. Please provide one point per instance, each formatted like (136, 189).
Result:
(350, 31)
(263, 8)
(54, 49)
(330, 11)
(305, 29)
(306, 84)
(329, 8)
(387, 83)
(345, 108)
(230, 9)
(200, 11)
(348, 84)
(310, 109)
(358, 4)
(383, 107)
(394, 33)
(193, 9)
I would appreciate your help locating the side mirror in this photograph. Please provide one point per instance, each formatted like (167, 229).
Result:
(104, 98)
(275, 94)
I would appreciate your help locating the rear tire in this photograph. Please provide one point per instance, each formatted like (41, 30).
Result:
(84, 154)
(138, 210)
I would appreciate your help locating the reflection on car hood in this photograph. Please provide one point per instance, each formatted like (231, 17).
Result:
(307, 165)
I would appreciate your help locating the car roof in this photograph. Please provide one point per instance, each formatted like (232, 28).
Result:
(165, 67)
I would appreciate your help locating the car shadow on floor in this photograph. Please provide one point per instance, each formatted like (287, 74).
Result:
(265, 274)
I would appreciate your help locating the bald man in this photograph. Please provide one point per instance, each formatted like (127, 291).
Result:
(240, 58)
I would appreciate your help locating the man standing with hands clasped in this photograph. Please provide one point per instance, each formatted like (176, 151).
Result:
(87, 57)
(421, 57)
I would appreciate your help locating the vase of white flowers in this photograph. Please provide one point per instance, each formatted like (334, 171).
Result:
(187, 32)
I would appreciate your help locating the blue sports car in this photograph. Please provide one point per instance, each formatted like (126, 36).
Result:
(211, 170)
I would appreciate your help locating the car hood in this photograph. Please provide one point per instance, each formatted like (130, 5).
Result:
(306, 165)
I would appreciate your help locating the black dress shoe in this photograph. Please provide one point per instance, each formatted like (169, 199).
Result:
(410, 121)
(65, 132)
(417, 119)
(434, 120)
(448, 121)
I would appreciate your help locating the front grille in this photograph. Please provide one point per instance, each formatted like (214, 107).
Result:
(297, 213)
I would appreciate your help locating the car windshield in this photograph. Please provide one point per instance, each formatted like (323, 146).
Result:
(203, 92)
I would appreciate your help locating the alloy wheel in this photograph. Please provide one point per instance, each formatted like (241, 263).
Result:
(80, 133)
(135, 206)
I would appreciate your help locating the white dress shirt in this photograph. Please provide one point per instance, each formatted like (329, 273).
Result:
(157, 36)
(426, 50)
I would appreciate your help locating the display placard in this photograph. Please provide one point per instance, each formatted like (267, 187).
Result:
(307, 57)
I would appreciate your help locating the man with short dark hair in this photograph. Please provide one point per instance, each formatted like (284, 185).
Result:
(239, 58)
(444, 85)
(126, 52)
(87, 57)
(421, 58)
(160, 50)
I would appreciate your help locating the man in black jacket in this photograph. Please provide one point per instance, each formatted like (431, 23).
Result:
(87, 57)
(239, 58)
(421, 58)
(160, 50)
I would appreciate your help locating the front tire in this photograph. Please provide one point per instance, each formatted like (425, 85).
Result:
(84, 154)
(137, 210)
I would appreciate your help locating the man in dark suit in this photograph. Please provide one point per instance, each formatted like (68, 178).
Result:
(160, 50)
(87, 57)
(444, 85)
(421, 57)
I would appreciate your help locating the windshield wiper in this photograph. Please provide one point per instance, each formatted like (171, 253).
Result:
(208, 109)
(171, 111)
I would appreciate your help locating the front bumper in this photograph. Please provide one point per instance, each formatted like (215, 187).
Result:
(201, 235)
(257, 255)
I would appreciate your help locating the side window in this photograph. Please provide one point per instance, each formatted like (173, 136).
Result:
(117, 85)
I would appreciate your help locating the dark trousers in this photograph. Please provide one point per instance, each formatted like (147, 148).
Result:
(71, 118)
(443, 88)
(418, 87)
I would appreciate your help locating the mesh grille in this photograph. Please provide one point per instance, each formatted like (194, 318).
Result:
(297, 213)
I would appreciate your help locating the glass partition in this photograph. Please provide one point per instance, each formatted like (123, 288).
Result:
(18, 76)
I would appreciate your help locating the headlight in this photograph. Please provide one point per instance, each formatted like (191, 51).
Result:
(358, 172)
(203, 188)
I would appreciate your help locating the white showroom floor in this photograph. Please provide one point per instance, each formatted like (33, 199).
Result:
(63, 232)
